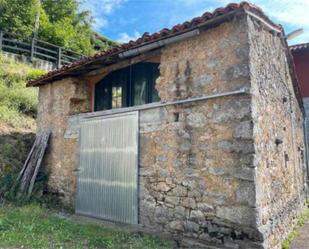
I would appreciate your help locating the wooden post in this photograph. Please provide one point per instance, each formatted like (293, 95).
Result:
(1, 39)
(59, 57)
(28, 174)
(32, 49)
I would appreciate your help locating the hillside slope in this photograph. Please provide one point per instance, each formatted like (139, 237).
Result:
(17, 117)
(17, 103)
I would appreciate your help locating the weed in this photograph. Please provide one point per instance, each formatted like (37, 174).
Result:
(295, 232)
(33, 226)
(16, 101)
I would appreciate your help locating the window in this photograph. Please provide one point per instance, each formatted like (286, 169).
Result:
(134, 85)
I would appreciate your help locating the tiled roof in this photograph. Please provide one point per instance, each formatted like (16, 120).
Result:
(298, 47)
(150, 38)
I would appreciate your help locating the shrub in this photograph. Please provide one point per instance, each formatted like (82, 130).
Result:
(18, 106)
(16, 101)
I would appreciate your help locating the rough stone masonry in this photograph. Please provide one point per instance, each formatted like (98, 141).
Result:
(222, 173)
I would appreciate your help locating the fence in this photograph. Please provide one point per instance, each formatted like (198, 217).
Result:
(38, 49)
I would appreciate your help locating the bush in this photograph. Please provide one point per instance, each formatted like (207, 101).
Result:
(18, 106)
(16, 101)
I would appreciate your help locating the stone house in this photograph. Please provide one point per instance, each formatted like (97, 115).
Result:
(194, 131)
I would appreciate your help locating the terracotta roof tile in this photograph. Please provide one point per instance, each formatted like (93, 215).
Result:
(298, 47)
(148, 38)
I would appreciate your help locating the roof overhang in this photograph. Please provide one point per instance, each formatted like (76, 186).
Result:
(299, 47)
(157, 40)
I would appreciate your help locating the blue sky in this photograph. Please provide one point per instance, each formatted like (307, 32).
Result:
(124, 20)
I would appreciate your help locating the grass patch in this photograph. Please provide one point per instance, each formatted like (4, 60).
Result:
(33, 226)
(18, 107)
(18, 104)
(295, 232)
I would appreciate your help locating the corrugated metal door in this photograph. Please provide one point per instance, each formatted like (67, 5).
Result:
(107, 176)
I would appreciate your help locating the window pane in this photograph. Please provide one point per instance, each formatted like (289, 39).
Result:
(116, 97)
(102, 97)
(154, 95)
(139, 95)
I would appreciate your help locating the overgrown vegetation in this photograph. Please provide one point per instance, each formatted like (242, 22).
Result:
(17, 103)
(295, 232)
(60, 22)
(18, 106)
(35, 227)
(14, 148)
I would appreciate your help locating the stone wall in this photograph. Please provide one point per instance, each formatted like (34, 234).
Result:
(197, 175)
(306, 107)
(58, 101)
(278, 137)
(226, 172)
(36, 63)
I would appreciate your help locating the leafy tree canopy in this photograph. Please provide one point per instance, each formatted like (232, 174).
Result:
(61, 23)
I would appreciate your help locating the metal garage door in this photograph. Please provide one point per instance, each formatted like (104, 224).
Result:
(107, 174)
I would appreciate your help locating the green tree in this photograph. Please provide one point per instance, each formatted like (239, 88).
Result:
(61, 23)
(18, 17)
(59, 9)
(66, 25)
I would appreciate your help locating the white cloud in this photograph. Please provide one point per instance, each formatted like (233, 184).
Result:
(100, 10)
(108, 6)
(290, 13)
(125, 37)
(293, 12)
(100, 23)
